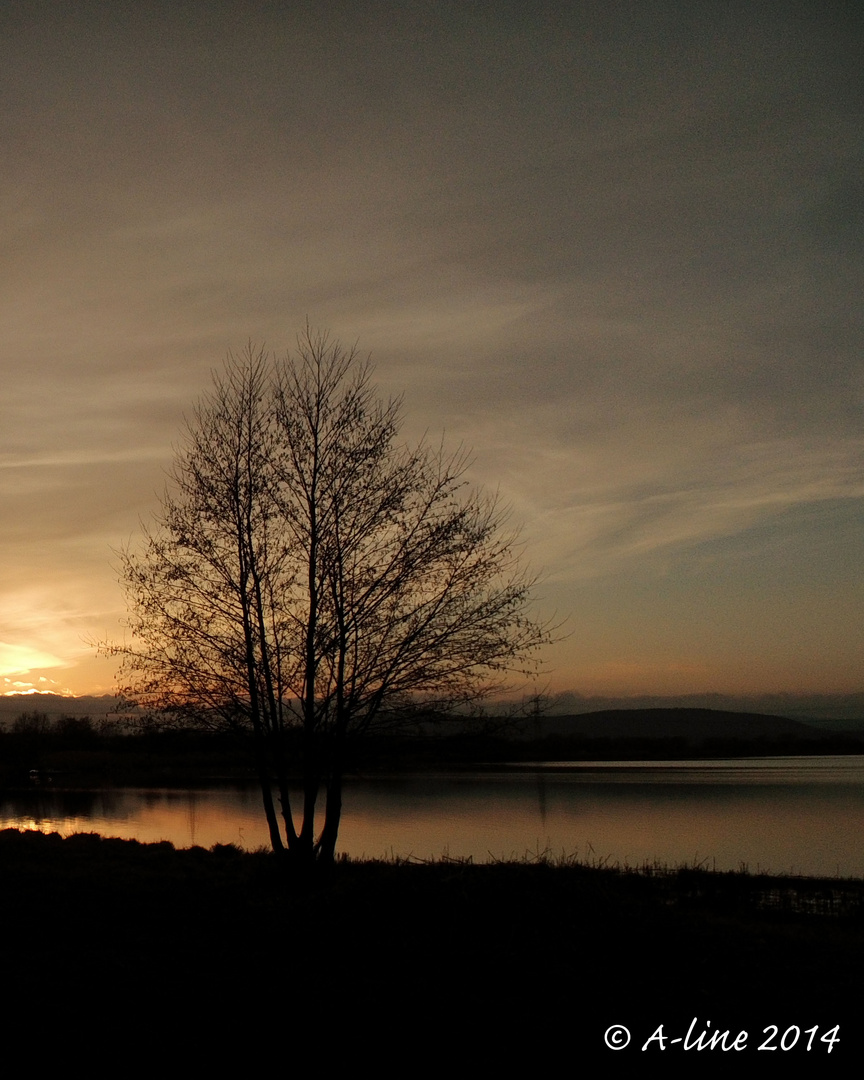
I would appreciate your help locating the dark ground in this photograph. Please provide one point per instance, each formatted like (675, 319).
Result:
(111, 943)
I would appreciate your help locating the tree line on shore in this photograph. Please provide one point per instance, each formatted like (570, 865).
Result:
(91, 751)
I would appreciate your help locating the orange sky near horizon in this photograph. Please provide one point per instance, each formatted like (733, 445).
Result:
(616, 251)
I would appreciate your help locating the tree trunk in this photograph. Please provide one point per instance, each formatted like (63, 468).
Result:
(270, 811)
(332, 817)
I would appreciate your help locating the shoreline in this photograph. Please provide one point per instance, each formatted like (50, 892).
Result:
(561, 947)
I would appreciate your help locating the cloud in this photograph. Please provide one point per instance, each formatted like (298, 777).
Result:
(617, 252)
(17, 659)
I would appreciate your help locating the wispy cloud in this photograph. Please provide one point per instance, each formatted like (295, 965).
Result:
(616, 253)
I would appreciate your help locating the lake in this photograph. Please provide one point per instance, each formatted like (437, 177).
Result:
(799, 815)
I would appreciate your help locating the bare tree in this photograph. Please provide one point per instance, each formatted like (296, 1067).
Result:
(205, 586)
(310, 578)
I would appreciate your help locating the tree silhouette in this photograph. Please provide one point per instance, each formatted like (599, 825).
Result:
(309, 579)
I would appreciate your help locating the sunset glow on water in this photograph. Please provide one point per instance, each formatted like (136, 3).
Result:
(802, 816)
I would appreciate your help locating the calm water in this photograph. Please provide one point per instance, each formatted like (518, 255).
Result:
(785, 815)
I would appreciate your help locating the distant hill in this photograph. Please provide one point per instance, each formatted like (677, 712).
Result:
(54, 706)
(694, 725)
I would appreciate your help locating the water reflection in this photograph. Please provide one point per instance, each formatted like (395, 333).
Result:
(821, 769)
(204, 817)
(782, 814)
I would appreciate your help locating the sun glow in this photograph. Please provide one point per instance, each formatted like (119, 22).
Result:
(21, 659)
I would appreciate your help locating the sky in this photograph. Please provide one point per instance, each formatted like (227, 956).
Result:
(614, 248)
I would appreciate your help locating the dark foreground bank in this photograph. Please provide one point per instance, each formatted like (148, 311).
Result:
(115, 936)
